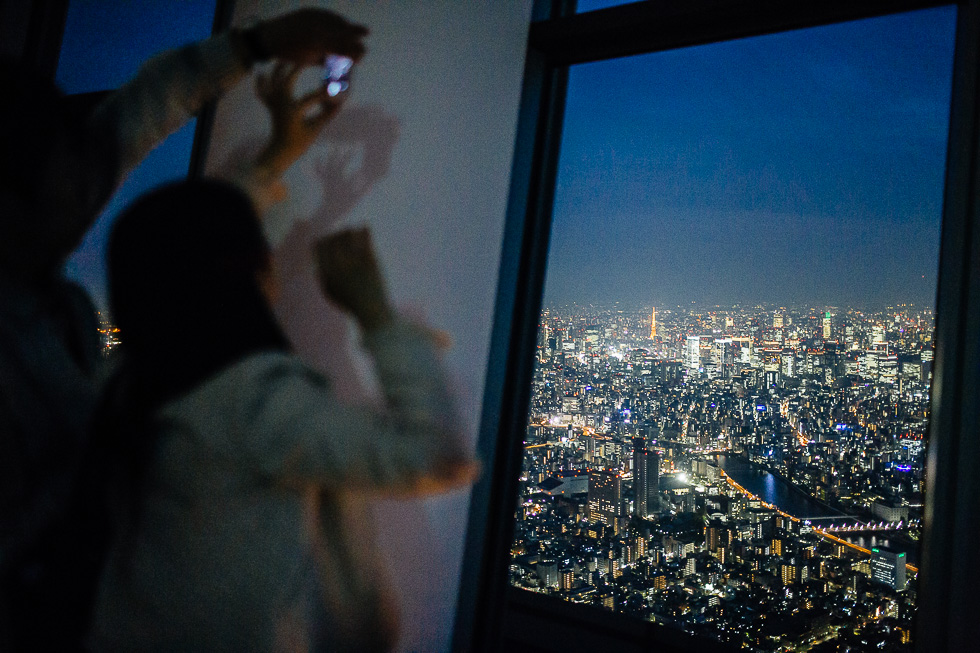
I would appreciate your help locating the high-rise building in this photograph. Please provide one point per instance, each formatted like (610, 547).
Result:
(826, 326)
(605, 499)
(653, 323)
(640, 476)
(548, 573)
(646, 478)
(713, 534)
(788, 572)
(566, 578)
(692, 355)
(888, 567)
(653, 482)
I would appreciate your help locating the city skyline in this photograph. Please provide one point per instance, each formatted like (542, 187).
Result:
(749, 475)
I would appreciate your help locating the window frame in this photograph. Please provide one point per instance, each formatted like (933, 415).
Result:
(43, 23)
(493, 616)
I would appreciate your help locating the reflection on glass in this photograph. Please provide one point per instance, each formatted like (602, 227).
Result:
(731, 390)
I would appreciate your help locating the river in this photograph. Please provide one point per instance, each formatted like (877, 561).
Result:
(778, 492)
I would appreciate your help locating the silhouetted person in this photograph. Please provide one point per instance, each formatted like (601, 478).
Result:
(235, 462)
(56, 172)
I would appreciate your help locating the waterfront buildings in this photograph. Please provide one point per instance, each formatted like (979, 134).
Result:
(665, 534)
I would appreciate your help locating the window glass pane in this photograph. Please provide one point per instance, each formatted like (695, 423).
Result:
(591, 5)
(104, 44)
(168, 161)
(105, 41)
(731, 391)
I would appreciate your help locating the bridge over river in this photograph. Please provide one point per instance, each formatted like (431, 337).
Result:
(848, 529)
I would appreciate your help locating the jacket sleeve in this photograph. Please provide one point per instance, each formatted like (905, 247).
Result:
(168, 89)
(299, 432)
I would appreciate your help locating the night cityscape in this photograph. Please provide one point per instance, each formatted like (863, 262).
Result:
(749, 473)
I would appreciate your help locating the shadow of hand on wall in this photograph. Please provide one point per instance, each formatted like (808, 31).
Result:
(360, 143)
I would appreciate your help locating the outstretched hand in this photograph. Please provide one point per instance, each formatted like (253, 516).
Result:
(351, 277)
(306, 36)
(296, 122)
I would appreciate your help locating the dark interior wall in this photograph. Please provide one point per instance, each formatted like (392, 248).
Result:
(30, 31)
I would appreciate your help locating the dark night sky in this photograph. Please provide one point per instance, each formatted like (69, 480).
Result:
(803, 167)
(797, 167)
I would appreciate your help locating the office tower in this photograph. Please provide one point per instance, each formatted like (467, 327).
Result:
(826, 326)
(877, 335)
(589, 447)
(548, 573)
(692, 355)
(640, 476)
(653, 482)
(646, 478)
(653, 323)
(777, 321)
(605, 499)
(927, 357)
(888, 567)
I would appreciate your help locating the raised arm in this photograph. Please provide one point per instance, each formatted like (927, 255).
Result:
(296, 122)
(413, 444)
(173, 86)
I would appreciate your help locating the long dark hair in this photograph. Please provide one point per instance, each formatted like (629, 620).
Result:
(184, 265)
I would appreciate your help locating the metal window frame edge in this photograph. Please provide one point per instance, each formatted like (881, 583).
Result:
(520, 287)
(224, 13)
(943, 618)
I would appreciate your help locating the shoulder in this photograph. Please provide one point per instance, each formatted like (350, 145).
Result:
(247, 384)
(267, 368)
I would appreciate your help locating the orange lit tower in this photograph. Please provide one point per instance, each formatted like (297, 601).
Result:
(653, 323)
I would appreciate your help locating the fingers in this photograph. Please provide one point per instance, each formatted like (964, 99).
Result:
(276, 86)
(314, 97)
(348, 241)
(286, 73)
(327, 111)
(263, 86)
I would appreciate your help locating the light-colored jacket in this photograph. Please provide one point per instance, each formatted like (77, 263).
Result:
(246, 535)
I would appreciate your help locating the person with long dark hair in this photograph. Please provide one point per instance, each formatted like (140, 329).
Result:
(231, 465)
(59, 165)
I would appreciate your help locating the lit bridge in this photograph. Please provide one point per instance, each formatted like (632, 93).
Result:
(851, 524)
(871, 527)
(822, 531)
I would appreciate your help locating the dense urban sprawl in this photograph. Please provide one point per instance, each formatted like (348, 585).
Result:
(669, 453)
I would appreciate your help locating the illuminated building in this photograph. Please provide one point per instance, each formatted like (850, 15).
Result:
(605, 499)
(788, 573)
(566, 579)
(888, 567)
(646, 478)
(692, 355)
(776, 547)
(548, 573)
(653, 323)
